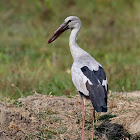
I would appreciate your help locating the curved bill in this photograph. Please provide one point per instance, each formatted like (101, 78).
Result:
(58, 32)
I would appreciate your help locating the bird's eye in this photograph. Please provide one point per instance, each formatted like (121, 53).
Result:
(69, 21)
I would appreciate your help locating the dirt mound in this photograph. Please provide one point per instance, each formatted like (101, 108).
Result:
(39, 117)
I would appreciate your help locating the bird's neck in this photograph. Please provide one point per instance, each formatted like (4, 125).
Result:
(74, 48)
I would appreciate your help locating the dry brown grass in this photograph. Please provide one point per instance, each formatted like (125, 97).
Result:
(50, 117)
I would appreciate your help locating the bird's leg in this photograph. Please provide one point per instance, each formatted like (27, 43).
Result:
(83, 117)
(93, 124)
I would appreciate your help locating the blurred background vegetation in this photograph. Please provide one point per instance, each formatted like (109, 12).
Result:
(110, 33)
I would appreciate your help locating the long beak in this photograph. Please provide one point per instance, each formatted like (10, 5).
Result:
(58, 32)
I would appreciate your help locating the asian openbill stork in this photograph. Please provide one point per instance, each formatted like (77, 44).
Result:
(88, 75)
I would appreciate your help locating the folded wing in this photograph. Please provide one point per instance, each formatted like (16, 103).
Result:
(98, 89)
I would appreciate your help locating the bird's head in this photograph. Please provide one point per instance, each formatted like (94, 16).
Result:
(71, 22)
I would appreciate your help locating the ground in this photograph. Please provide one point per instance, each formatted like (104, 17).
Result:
(44, 117)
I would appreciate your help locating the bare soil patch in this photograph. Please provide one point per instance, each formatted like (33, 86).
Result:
(43, 117)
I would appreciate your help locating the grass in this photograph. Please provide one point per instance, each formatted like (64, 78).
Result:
(106, 117)
(42, 135)
(110, 33)
(18, 103)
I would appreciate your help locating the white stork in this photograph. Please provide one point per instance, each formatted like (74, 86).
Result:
(87, 74)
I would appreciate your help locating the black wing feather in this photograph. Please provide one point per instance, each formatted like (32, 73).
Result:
(97, 92)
